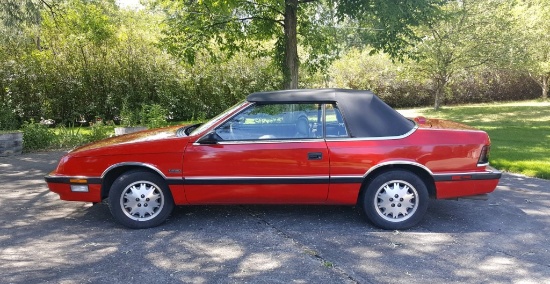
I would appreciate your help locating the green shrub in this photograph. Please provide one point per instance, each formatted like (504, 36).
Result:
(130, 117)
(36, 136)
(69, 137)
(154, 116)
(150, 115)
(8, 119)
(99, 130)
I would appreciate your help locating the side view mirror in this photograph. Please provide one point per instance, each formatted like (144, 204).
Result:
(209, 138)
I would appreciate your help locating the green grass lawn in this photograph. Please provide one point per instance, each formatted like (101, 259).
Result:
(520, 132)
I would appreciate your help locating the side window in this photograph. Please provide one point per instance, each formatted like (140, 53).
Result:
(274, 121)
(335, 125)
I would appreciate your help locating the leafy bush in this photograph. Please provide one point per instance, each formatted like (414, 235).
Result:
(99, 130)
(8, 119)
(150, 115)
(154, 116)
(69, 137)
(36, 136)
(488, 85)
(130, 117)
(39, 137)
(401, 86)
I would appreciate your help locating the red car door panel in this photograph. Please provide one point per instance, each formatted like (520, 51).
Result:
(257, 172)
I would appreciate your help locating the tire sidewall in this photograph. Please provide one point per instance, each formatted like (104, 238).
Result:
(122, 182)
(369, 196)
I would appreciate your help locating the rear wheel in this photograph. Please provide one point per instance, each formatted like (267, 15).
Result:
(395, 200)
(140, 199)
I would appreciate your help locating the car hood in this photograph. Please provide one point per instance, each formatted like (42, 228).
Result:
(149, 141)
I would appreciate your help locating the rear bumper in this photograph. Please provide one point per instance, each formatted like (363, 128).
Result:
(489, 174)
(453, 185)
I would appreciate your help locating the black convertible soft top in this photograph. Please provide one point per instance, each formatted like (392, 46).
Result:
(366, 115)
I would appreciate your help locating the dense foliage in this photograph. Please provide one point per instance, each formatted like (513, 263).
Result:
(532, 33)
(402, 85)
(78, 61)
(317, 26)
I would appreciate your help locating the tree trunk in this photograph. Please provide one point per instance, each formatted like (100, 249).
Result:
(38, 43)
(545, 87)
(290, 64)
(439, 88)
(437, 96)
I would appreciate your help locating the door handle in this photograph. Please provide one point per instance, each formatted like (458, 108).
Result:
(315, 156)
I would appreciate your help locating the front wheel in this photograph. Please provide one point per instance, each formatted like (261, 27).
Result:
(395, 200)
(140, 199)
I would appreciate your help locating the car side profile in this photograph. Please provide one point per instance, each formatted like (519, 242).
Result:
(322, 146)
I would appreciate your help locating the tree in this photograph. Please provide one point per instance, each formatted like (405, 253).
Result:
(20, 12)
(17, 14)
(107, 58)
(321, 26)
(533, 28)
(468, 34)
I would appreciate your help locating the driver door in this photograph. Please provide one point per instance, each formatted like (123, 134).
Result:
(269, 153)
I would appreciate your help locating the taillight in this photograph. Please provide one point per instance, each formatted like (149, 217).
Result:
(484, 156)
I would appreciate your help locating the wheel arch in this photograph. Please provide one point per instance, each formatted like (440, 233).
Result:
(418, 169)
(113, 172)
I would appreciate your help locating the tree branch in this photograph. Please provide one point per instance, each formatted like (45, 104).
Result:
(51, 10)
(281, 13)
(306, 1)
(246, 19)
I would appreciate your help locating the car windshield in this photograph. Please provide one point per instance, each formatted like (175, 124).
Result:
(217, 118)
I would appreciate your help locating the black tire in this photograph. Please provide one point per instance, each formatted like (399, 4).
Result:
(150, 204)
(404, 208)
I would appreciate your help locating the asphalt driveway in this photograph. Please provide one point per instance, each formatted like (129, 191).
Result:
(46, 240)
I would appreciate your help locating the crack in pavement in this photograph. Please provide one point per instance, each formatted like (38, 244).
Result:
(314, 255)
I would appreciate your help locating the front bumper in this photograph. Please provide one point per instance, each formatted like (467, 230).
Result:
(75, 188)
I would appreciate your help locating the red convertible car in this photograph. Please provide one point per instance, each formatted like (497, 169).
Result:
(327, 146)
